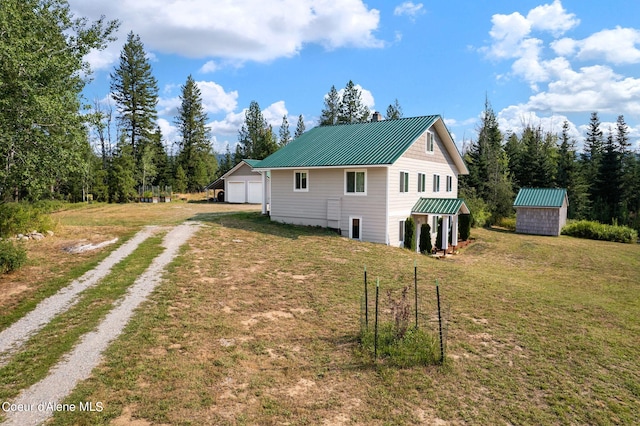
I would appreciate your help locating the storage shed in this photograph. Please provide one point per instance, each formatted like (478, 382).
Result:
(541, 211)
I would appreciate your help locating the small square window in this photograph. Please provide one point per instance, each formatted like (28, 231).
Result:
(301, 181)
(356, 182)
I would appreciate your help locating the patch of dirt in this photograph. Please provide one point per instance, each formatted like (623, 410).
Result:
(126, 419)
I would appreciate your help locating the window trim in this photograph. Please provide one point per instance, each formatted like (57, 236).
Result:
(449, 187)
(306, 187)
(422, 182)
(356, 193)
(404, 181)
(436, 183)
(401, 230)
(430, 143)
(351, 218)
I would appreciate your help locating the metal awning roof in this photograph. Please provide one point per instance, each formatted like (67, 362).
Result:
(440, 206)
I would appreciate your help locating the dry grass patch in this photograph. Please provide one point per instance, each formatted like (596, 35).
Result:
(258, 324)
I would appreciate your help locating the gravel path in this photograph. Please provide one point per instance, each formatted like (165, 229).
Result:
(14, 336)
(79, 363)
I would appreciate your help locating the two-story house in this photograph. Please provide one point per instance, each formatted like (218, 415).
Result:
(365, 179)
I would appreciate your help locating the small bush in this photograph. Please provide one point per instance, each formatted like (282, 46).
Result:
(410, 234)
(464, 224)
(20, 218)
(507, 223)
(425, 239)
(415, 347)
(598, 231)
(12, 257)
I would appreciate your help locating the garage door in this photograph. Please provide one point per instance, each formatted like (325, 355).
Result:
(255, 192)
(235, 192)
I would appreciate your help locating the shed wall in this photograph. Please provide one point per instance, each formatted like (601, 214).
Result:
(540, 221)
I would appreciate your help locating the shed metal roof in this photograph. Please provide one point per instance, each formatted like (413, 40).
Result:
(540, 197)
(359, 144)
(440, 206)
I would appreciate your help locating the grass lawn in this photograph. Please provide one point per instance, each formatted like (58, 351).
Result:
(258, 323)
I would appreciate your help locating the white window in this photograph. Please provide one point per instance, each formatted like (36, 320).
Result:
(434, 224)
(355, 228)
(355, 182)
(301, 181)
(404, 181)
(422, 182)
(430, 143)
(449, 183)
(401, 232)
(436, 183)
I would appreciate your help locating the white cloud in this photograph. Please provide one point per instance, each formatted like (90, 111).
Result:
(273, 113)
(617, 46)
(409, 8)
(233, 121)
(552, 18)
(257, 30)
(215, 99)
(365, 96)
(209, 67)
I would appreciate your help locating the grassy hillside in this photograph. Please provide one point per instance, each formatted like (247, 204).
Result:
(257, 324)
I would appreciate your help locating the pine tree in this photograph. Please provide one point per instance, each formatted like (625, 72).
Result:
(300, 127)
(285, 135)
(489, 167)
(194, 146)
(122, 179)
(352, 110)
(628, 191)
(227, 163)
(567, 176)
(255, 138)
(592, 155)
(394, 111)
(607, 185)
(329, 115)
(135, 91)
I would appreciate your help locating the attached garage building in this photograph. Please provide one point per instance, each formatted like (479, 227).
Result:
(541, 211)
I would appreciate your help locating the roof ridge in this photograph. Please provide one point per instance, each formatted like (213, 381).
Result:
(380, 121)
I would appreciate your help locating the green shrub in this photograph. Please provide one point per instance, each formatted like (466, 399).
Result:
(598, 231)
(12, 256)
(464, 226)
(415, 347)
(507, 223)
(20, 218)
(410, 234)
(425, 238)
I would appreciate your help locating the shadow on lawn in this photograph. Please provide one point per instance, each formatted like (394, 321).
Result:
(255, 221)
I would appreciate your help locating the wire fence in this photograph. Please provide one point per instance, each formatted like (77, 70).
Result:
(406, 325)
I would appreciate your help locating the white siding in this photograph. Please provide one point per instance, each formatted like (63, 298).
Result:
(243, 186)
(415, 160)
(314, 207)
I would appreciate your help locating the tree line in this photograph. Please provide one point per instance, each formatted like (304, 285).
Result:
(602, 181)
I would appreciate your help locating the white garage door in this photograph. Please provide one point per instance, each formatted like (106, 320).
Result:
(255, 192)
(235, 192)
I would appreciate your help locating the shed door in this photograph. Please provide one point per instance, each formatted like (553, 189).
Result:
(255, 192)
(235, 192)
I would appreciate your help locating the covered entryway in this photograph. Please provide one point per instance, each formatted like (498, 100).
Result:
(448, 209)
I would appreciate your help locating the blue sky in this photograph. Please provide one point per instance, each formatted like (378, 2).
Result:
(538, 62)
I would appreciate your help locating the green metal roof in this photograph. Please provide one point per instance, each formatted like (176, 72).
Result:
(440, 206)
(540, 197)
(251, 162)
(371, 143)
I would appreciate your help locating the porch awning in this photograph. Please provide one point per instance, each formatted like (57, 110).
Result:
(440, 206)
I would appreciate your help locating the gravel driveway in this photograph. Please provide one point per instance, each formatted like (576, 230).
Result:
(39, 400)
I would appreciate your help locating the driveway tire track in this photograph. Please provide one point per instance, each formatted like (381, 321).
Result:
(15, 335)
(78, 364)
